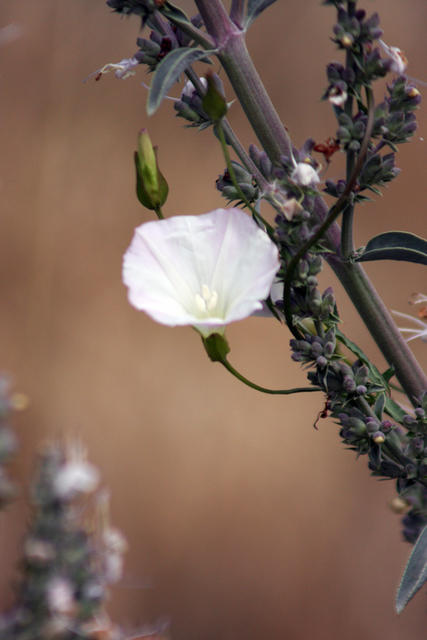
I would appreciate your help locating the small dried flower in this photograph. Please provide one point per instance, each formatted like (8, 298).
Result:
(398, 60)
(122, 70)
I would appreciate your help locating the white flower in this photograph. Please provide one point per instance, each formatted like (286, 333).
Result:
(206, 271)
(399, 61)
(337, 96)
(189, 88)
(305, 175)
(122, 70)
(76, 475)
(60, 596)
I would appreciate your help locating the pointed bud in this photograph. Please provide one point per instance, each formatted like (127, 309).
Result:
(214, 103)
(151, 186)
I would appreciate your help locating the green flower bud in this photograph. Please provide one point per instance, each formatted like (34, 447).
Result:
(216, 347)
(214, 103)
(151, 186)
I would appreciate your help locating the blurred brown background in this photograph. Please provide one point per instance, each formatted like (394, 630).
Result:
(243, 521)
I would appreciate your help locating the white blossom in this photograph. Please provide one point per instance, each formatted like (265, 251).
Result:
(305, 175)
(76, 475)
(189, 88)
(60, 596)
(399, 61)
(337, 97)
(205, 271)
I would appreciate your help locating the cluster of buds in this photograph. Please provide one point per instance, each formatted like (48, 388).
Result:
(351, 130)
(353, 30)
(143, 8)
(395, 120)
(163, 38)
(378, 170)
(65, 570)
(225, 185)
(190, 105)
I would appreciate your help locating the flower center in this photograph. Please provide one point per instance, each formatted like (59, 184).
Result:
(206, 301)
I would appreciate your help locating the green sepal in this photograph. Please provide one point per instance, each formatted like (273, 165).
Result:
(216, 347)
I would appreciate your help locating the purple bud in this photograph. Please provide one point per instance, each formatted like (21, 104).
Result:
(349, 384)
(321, 362)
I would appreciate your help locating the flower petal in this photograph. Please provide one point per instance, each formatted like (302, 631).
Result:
(205, 270)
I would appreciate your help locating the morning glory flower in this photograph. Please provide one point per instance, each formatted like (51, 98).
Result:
(205, 271)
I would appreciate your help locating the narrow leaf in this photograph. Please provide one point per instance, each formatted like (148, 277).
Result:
(168, 72)
(174, 13)
(255, 7)
(396, 245)
(415, 573)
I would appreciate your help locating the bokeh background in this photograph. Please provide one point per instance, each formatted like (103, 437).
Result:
(243, 522)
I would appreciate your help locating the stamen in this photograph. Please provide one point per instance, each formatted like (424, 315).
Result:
(201, 304)
(207, 301)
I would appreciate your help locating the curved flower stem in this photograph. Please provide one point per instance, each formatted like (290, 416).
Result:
(257, 387)
(333, 214)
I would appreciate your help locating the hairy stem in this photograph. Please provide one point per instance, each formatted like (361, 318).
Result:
(252, 95)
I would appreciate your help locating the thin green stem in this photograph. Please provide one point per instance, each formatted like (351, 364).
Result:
(159, 213)
(257, 387)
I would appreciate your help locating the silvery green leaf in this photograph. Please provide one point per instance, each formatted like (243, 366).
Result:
(174, 13)
(255, 7)
(168, 72)
(395, 245)
(415, 574)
